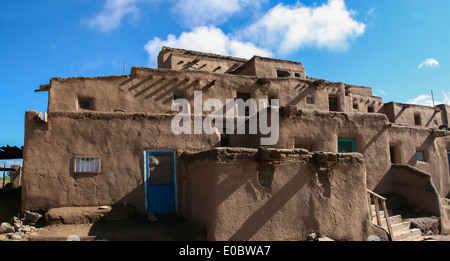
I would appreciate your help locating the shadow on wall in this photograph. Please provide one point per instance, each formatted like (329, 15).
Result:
(416, 186)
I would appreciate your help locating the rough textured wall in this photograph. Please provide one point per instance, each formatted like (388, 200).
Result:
(405, 114)
(152, 91)
(408, 140)
(119, 139)
(320, 131)
(284, 195)
(417, 187)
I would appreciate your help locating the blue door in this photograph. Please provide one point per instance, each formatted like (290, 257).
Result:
(160, 182)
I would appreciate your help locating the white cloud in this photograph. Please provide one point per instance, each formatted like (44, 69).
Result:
(207, 39)
(289, 28)
(195, 13)
(427, 100)
(431, 62)
(112, 14)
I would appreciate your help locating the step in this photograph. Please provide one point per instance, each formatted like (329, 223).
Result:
(393, 219)
(405, 235)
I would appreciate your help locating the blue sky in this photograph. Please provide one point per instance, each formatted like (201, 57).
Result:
(397, 47)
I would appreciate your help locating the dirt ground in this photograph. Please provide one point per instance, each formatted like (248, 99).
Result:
(167, 228)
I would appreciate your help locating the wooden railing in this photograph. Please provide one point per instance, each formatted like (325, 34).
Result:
(376, 200)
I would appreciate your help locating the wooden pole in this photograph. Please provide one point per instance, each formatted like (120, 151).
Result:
(4, 166)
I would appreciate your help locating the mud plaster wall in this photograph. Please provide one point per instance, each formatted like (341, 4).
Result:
(303, 197)
(405, 114)
(320, 131)
(417, 187)
(119, 139)
(152, 91)
(407, 140)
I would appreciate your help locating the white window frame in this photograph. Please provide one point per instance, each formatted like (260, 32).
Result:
(94, 168)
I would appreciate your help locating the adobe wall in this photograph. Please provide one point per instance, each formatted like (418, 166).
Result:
(284, 197)
(404, 114)
(417, 188)
(320, 131)
(407, 140)
(119, 139)
(151, 90)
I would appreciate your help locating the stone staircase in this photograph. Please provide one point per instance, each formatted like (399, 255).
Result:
(401, 229)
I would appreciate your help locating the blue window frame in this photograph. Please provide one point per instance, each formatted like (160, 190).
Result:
(346, 145)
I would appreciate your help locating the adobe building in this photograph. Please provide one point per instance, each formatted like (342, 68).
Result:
(106, 140)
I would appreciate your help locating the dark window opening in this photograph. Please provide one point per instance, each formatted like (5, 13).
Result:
(271, 98)
(244, 97)
(392, 154)
(448, 158)
(420, 156)
(177, 96)
(224, 140)
(297, 75)
(346, 145)
(370, 109)
(85, 104)
(281, 73)
(333, 103)
(417, 119)
(355, 106)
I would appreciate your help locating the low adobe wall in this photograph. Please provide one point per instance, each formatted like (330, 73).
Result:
(246, 194)
(417, 187)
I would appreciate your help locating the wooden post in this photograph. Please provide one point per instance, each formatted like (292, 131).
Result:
(4, 167)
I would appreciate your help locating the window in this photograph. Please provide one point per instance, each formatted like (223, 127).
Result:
(177, 96)
(333, 103)
(417, 119)
(281, 73)
(355, 105)
(392, 151)
(297, 75)
(420, 156)
(370, 109)
(271, 98)
(309, 100)
(224, 140)
(244, 97)
(85, 104)
(448, 158)
(87, 164)
(346, 145)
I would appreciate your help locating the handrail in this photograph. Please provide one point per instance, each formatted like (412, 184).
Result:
(376, 199)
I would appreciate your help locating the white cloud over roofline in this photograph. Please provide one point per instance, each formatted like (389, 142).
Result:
(209, 39)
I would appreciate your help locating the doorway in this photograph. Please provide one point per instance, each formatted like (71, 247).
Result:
(160, 182)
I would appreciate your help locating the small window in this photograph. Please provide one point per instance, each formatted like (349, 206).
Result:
(297, 75)
(281, 73)
(392, 151)
(224, 140)
(370, 109)
(309, 100)
(177, 96)
(333, 103)
(85, 104)
(420, 156)
(272, 98)
(417, 119)
(346, 145)
(87, 164)
(244, 97)
(355, 106)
